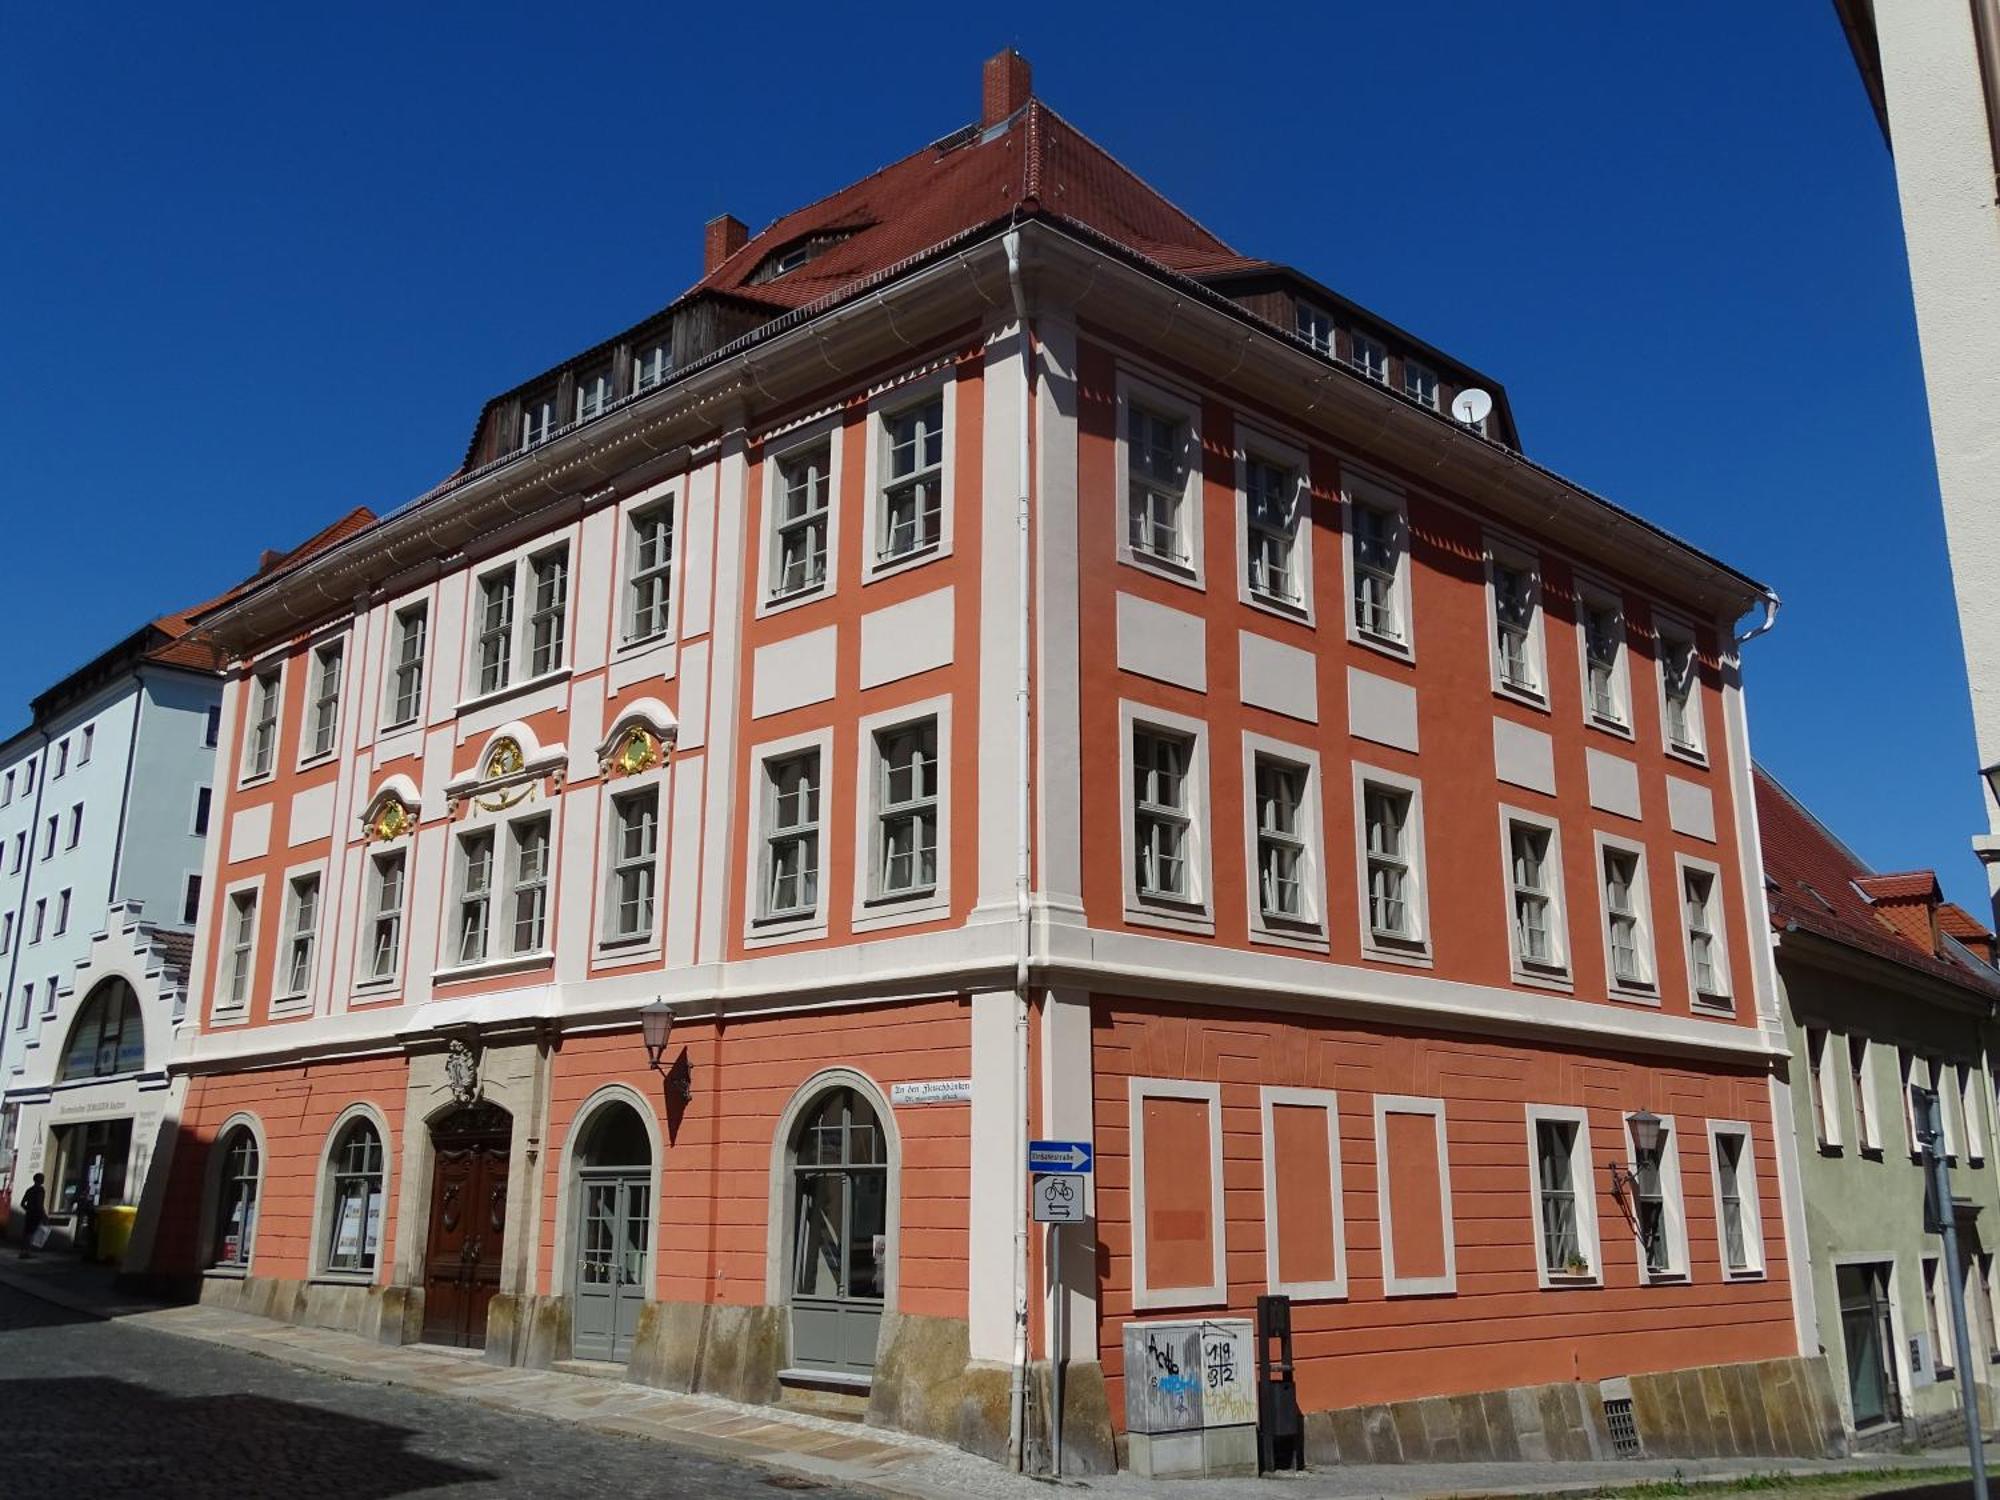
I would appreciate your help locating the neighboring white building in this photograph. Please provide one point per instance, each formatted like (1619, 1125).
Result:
(1932, 69)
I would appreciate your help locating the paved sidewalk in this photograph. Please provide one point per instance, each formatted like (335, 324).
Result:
(808, 1448)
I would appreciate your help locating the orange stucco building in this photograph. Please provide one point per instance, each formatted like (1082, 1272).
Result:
(991, 661)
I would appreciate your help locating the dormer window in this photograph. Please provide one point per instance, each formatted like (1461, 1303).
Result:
(651, 364)
(593, 392)
(1370, 356)
(787, 261)
(1420, 384)
(538, 419)
(1315, 326)
(788, 258)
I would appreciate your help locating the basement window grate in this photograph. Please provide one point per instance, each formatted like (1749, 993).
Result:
(1624, 1431)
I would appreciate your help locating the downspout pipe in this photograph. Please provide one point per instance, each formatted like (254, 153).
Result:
(1017, 1390)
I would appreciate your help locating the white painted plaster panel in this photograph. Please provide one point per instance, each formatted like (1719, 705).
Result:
(792, 673)
(1523, 756)
(586, 727)
(654, 663)
(1281, 678)
(593, 605)
(905, 639)
(250, 833)
(1614, 783)
(696, 558)
(1381, 709)
(1168, 645)
(1691, 808)
(1000, 606)
(690, 703)
(718, 803)
(682, 841)
(576, 888)
(990, 1246)
(479, 722)
(443, 672)
(437, 771)
(429, 855)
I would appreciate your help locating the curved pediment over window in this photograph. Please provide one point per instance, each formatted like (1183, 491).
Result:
(640, 740)
(392, 812)
(108, 1038)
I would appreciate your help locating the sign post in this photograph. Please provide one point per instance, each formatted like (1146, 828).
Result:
(1930, 1130)
(1060, 1189)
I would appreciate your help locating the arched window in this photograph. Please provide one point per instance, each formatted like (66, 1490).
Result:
(614, 1220)
(236, 1206)
(354, 1227)
(841, 1234)
(108, 1037)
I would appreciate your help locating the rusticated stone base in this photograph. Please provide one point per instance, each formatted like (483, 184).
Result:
(529, 1331)
(1778, 1408)
(722, 1350)
(386, 1314)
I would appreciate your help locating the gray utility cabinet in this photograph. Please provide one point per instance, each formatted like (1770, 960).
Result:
(1191, 1398)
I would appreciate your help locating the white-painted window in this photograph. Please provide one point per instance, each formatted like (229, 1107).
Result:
(1701, 915)
(1378, 563)
(508, 640)
(1535, 905)
(801, 521)
(1392, 861)
(1680, 691)
(242, 949)
(1602, 621)
(62, 911)
(1738, 1224)
(355, 1200)
(495, 639)
(906, 809)
(792, 834)
(62, 758)
(528, 879)
(910, 511)
(1969, 1112)
(301, 930)
(538, 418)
(75, 826)
(406, 673)
(7, 789)
(1315, 326)
(327, 661)
(593, 392)
(1420, 384)
(1906, 1075)
(204, 804)
(1660, 1208)
(211, 735)
(1941, 1087)
(1937, 1318)
(1566, 1249)
(651, 364)
(7, 933)
(548, 620)
(1274, 513)
(28, 775)
(1162, 814)
(49, 828)
(1516, 602)
(27, 1006)
(20, 851)
(1369, 355)
(1819, 1087)
(388, 874)
(190, 899)
(1284, 856)
(83, 744)
(1628, 932)
(261, 748)
(635, 851)
(475, 896)
(1158, 464)
(1867, 1126)
(649, 570)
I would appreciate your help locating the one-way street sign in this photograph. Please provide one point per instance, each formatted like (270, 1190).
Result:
(1059, 1156)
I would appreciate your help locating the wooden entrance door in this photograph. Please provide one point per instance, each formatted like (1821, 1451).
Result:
(468, 1223)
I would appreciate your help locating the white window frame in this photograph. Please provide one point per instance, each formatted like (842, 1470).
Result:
(1673, 1198)
(1269, 1098)
(191, 885)
(1415, 948)
(1308, 931)
(1412, 384)
(1144, 1297)
(420, 609)
(1257, 444)
(501, 956)
(1722, 997)
(1668, 627)
(1867, 1110)
(516, 884)
(664, 499)
(1556, 973)
(1753, 1209)
(1308, 318)
(918, 389)
(593, 392)
(647, 372)
(1969, 1107)
(1938, 1328)
(827, 430)
(83, 744)
(611, 941)
(75, 835)
(271, 671)
(198, 825)
(1362, 491)
(872, 910)
(1369, 355)
(1583, 1189)
(373, 915)
(1906, 1063)
(63, 897)
(1937, 1067)
(760, 930)
(284, 998)
(334, 648)
(1593, 594)
(1394, 1285)
(1822, 1093)
(62, 759)
(1646, 989)
(1504, 552)
(519, 564)
(234, 960)
(1183, 407)
(1196, 913)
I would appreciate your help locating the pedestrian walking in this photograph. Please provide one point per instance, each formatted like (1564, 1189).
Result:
(34, 1213)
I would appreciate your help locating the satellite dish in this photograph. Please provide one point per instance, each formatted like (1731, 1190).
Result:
(1471, 406)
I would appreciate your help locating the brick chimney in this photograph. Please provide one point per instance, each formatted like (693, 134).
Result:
(724, 236)
(1005, 86)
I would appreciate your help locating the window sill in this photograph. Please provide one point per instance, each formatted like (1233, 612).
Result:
(316, 759)
(1283, 609)
(342, 1278)
(639, 645)
(625, 952)
(900, 911)
(1526, 697)
(1668, 1278)
(1633, 994)
(262, 778)
(787, 928)
(400, 726)
(1714, 1005)
(1744, 1273)
(889, 567)
(1690, 754)
(1288, 932)
(513, 690)
(1186, 574)
(1569, 1281)
(226, 1273)
(777, 604)
(1384, 645)
(1391, 948)
(1174, 916)
(1545, 979)
(514, 963)
(374, 989)
(1616, 728)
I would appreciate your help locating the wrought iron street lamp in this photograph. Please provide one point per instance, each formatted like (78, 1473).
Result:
(656, 1024)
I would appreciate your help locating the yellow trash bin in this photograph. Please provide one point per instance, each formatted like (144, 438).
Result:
(114, 1231)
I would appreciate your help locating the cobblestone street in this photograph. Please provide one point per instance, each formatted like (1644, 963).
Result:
(104, 1409)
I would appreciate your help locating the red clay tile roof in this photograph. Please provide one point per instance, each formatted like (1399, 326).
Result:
(1905, 885)
(960, 184)
(1962, 924)
(1814, 880)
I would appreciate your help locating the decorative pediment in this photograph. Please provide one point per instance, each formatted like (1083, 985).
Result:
(393, 811)
(640, 739)
(511, 768)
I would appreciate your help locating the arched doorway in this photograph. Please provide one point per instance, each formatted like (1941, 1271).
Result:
(841, 1250)
(470, 1148)
(92, 1157)
(614, 1224)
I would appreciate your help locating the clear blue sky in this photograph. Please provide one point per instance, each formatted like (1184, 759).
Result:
(264, 266)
